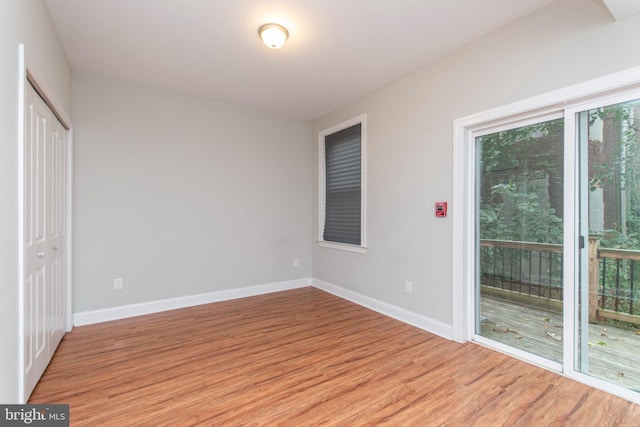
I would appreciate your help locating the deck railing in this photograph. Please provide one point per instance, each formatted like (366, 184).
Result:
(534, 269)
(532, 272)
(617, 284)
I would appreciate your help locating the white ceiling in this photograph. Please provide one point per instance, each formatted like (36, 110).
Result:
(338, 50)
(622, 9)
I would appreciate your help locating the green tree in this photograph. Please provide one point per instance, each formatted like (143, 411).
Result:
(621, 172)
(514, 169)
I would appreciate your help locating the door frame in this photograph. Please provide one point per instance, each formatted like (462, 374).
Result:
(27, 72)
(565, 100)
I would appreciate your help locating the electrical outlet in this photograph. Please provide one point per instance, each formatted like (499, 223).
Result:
(117, 284)
(408, 287)
(296, 262)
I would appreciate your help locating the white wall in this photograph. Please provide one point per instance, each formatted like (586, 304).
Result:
(181, 196)
(28, 22)
(410, 142)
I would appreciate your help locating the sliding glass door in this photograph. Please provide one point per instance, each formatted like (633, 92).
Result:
(608, 303)
(557, 240)
(519, 220)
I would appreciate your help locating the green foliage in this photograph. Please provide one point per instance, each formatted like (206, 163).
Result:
(526, 220)
(613, 238)
(621, 172)
(512, 163)
(619, 278)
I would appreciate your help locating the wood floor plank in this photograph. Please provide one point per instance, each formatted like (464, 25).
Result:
(303, 358)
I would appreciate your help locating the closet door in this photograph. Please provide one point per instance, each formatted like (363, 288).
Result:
(57, 163)
(45, 234)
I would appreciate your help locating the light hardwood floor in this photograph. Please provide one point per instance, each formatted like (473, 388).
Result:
(304, 358)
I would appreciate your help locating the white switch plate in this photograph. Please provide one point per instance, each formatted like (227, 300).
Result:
(296, 262)
(117, 284)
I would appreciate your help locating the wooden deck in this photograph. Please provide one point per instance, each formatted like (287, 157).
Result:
(304, 358)
(614, 352)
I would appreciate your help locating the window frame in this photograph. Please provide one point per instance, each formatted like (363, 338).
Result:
(322, 179)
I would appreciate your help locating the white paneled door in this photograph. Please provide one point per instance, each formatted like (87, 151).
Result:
(45, 236)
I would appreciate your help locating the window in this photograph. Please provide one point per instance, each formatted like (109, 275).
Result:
(342, 186)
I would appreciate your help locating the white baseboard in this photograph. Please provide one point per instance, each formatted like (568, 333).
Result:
(122, 312)
(425, 323)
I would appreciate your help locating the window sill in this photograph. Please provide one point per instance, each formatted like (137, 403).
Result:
(343, 247)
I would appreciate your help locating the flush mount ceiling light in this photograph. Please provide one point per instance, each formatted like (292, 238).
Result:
(273, 35)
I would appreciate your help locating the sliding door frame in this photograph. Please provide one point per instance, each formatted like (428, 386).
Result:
(567, 102)
(581, 258)
(500, 126)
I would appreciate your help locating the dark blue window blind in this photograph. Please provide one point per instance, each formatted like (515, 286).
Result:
(343, 166)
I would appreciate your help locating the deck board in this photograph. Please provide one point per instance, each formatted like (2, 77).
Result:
(614, 352)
